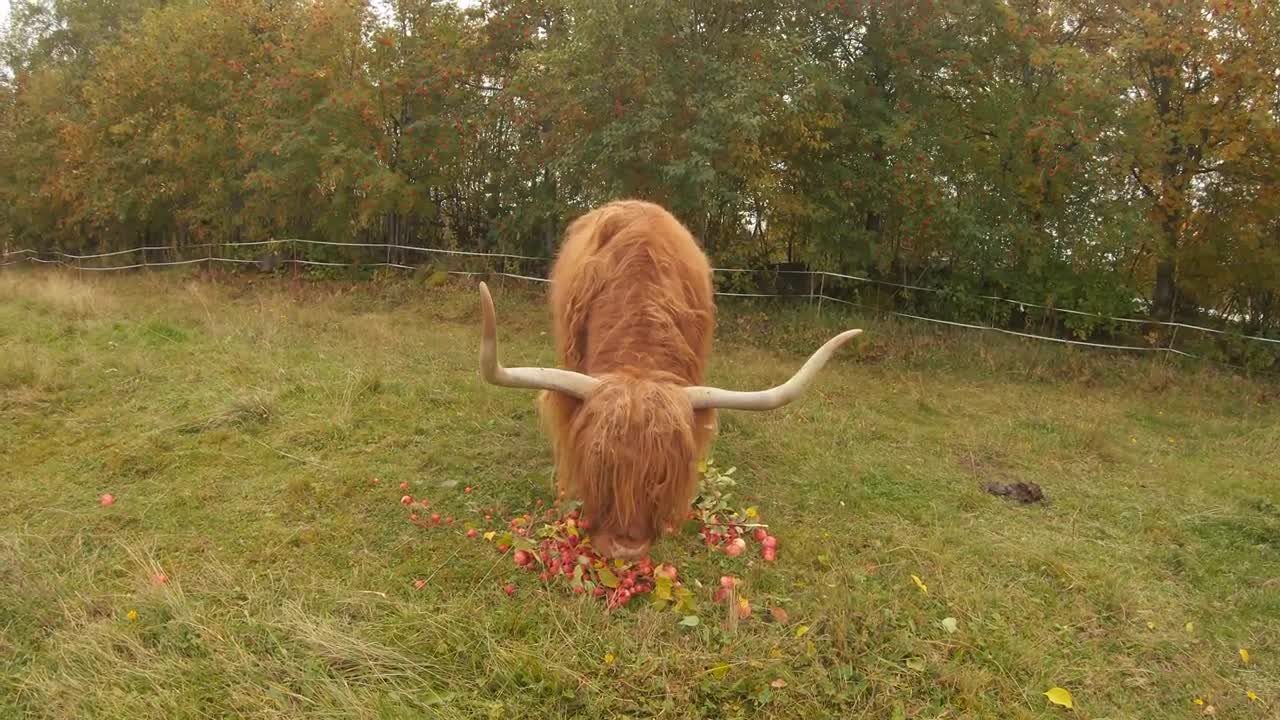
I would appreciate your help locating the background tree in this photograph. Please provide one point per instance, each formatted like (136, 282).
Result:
(1081, 154)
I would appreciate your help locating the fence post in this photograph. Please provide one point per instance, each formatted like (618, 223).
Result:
(822, 292)
(992, 324)
(1169, 348)
(387, 241)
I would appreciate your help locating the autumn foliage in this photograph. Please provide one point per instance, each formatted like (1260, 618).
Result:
(1110, 157)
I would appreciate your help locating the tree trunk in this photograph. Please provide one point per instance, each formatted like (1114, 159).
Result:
(1162, 296)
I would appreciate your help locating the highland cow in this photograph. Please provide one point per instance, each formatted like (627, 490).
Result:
(633, 312)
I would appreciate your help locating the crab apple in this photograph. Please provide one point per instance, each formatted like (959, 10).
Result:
(544, 576)
(719, 595)
(413, 517)
(578, 589)
(404, 486)
(160, 579)
(435, 518)
(744, 608)
(467, 490)
(375, 481)
(760, 534)
(107, 499)
(666, 571)
(425, 502)
(503, 548)
(735, 548)
(406, 501)
(522, 557)
(488, 518)
(598, 592)
(510, 589)
(449, 520)
(728, 581)
(770, 554)
(770, 542)
(472, 533)
(419, 584)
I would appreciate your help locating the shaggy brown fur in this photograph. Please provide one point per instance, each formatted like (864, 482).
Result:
(632, 305)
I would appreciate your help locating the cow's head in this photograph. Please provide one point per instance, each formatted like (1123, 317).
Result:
(630, 449)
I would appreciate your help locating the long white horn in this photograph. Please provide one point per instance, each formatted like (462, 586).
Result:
(535, 378)
(703, 398)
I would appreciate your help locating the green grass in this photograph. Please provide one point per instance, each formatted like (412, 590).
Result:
(239, 424)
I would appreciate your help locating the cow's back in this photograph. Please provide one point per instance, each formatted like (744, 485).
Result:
(631, 291)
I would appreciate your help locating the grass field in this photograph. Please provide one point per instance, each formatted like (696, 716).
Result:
(239, 423)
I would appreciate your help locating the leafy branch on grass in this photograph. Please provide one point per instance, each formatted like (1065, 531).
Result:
(713, 504)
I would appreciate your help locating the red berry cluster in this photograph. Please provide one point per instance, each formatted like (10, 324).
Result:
(730, 536)
(564, 554)
(729, 588)
(560, 551)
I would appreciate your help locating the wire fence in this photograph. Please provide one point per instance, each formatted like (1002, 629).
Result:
(822, 286)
